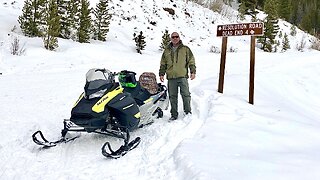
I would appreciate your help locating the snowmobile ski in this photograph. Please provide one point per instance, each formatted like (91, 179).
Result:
(124, 149)
(39, 139)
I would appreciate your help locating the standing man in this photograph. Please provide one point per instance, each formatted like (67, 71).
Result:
(176, 61)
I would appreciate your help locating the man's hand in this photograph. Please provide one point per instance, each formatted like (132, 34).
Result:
(192, 76)
(161, 78)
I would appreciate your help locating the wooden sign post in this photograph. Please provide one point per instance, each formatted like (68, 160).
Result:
(252, 29)
(222, 63)
(252, 63)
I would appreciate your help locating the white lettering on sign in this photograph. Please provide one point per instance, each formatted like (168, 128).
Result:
(231, 27)
(227, 33)
(238, 33)
(255, 25)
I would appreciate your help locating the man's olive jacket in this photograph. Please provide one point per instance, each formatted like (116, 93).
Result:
(176, 64)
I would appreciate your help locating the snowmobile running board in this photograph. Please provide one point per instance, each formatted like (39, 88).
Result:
(39, 139)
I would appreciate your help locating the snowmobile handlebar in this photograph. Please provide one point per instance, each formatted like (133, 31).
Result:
(102, 70)
(105, 71)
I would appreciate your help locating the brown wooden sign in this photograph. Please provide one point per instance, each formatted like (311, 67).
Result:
(250, 29)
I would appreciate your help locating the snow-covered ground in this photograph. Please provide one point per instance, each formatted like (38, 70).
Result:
(225, 138)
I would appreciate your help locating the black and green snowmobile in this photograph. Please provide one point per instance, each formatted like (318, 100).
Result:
(111, 108)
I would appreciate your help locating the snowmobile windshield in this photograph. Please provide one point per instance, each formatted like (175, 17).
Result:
(97, 82)
(97, 78)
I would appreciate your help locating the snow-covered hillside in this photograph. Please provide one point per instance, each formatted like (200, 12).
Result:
(225, 137)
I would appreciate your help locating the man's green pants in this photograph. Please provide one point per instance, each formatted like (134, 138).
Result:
(173, 86)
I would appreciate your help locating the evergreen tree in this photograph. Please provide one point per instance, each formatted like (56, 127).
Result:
(140, 42)
(271, 27)
(293, 30)
(285, 43)
(248, 7)
(27, 25)
(270, 8)
(306, 10)
(71, 20)
(280, 34)
(310, 20)
(306, 22)
(32, 21)
(52, 26)
(84, 22)
(317, 19)
(102, 20)
(296, 16)
(284, 9)
(165, 40)
(242, 10)
(260, 4)
(277, 44)
(62, 12)
(40, 10)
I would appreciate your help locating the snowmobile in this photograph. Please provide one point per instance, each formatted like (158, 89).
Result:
(111, 108)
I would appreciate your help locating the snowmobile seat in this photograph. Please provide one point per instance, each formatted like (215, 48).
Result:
(139, 93)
